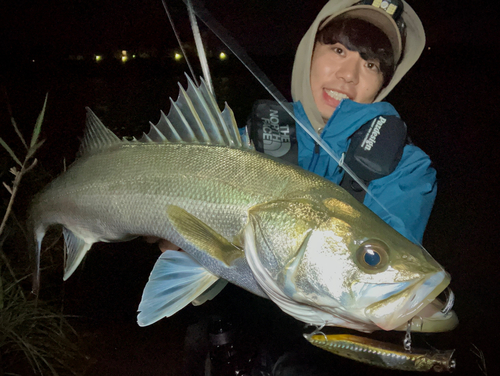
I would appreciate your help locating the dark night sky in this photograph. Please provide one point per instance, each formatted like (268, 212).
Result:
(74, 25)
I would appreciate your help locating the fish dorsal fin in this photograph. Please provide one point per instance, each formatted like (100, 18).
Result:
(96, 137)
(195, 118)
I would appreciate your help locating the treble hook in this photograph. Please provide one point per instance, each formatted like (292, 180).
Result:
(316, 331)
(450, 300)
(407, 339)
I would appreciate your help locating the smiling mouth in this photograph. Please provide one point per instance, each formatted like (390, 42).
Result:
(336, 95)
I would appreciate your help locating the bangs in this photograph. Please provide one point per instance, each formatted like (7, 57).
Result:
(362, 37)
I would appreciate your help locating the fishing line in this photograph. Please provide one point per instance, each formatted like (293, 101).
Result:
(179, 41)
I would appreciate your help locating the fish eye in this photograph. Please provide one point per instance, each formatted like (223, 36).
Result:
(373, 256)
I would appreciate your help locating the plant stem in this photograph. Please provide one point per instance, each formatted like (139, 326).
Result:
(15, 187)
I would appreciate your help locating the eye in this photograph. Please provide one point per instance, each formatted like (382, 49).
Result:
(373, 66)
(338, 48)
(372, 256)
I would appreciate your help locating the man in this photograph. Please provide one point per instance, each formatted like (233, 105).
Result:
(351, 57)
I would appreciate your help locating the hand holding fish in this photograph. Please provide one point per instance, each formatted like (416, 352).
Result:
(163, 244)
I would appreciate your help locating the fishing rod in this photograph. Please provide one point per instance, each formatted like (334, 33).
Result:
(199, 46)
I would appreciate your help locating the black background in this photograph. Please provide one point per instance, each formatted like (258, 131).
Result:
(448, 101)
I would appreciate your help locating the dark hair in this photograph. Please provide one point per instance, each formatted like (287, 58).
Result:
(363, 37)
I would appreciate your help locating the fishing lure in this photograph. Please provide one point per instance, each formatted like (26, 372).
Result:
(384, 355)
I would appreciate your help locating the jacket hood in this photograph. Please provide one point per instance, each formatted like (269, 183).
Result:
(301, 86)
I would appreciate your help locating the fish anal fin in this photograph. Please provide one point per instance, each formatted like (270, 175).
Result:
(76, 249)
(175, 281)
(202, 236)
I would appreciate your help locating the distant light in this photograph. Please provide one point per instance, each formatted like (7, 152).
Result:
(428, 48)
(33, 60)
(133, 56)
(222, 56)
(124, 53)
(98, 58)
(177, 56)
(124, 59)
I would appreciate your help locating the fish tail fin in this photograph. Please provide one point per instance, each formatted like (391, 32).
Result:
(36, 233)
(75, 250)
(175, 281)
(36, 244)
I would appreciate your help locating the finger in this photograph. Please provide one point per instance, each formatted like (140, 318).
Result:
(166, 245)
(151, 239)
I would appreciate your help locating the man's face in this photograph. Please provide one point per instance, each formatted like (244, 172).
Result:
(338, 73)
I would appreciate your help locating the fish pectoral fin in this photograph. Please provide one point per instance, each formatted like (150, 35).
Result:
(175, 281)
(202, 236)
(76, 248)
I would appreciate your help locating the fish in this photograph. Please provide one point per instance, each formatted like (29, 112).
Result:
(384, 355)
(240, 217)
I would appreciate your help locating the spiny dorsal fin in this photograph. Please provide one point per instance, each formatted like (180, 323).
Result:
(196, 118)
(193, 118)
(96, 137)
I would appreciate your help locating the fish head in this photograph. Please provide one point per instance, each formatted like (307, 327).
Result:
(335, 262)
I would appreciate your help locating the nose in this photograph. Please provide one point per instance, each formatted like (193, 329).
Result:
(349, 70)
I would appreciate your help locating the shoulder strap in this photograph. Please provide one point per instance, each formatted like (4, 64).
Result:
(375, 150)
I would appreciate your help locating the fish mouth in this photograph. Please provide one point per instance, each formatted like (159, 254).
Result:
(417, 304)
(435, 317)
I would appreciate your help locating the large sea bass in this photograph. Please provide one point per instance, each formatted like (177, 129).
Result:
(271, 228)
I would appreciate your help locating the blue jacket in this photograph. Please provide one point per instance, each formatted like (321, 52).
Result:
(408, 193)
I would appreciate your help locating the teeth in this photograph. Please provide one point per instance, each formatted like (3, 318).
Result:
(336, 95)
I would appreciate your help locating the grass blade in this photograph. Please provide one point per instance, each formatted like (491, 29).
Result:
(9, 150)
(38, 125)
(14, 124)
